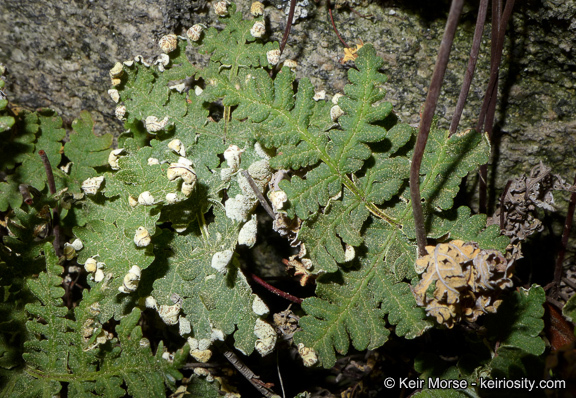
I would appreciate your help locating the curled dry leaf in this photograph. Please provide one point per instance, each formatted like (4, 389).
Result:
(465, 280)
(517, 215)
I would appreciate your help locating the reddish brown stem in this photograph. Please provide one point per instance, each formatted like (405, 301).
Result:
(426, 122)
(334, 26)
(481, 19)
(486, 119)
(275, 290)
(48, 168)
(288, 25)
(55, 213)
(559, 269)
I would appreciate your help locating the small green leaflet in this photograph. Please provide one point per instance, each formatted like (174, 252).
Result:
(84, 161)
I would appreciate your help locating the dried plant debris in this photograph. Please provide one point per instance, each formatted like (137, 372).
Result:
(461, 281)
(524, 195)
(286, 323)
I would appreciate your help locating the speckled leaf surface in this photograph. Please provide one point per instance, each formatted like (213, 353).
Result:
(211, 299)
(66, 352)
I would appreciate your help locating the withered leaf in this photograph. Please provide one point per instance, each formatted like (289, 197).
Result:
(465, 281)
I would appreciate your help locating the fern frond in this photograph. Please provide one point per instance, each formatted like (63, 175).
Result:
(66, 350)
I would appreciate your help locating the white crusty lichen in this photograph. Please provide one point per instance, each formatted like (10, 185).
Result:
(257, 9)
(239, 207)
(278, 199)
(226, 174)
(290, 63)
(113, 158)
(188, 188)
(320, 95)
(132, 201)
(90, 265)
(115, 73)
(201, 356)
(199, 349)
(261, 151)
(308, 355)
(217, 334)
(261, 172)
(146, 198)
(221, 8)
(114, 94)
(172, 198)
(221, 259)
(99, 275)
(120, 112)
(170, 313)
(181, 170)
(336, 112)
(195, 32)
(131, 280)
(184, 326)
(178, 147)
(273, 57)
(91, 185)
(168, 356)
(349, 253)
(140, 60)
(181, 87)
(162, 61)
(259, 307)
(153, 124)
(168, 43)
(142, 237)
(150, 302)
(232, 155)
(247, 234)
(77, 244)
(266, 337)
(258, 29)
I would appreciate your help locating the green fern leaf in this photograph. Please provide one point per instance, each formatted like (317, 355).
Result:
(108, 235)
(518, 322)
(351, 305)
(446, 161)
(6, 121)
(85, 150)
(137, 175)
(211, 299)
(49, 139)
(323, 234)
(65, 353)
(461, 224)
(234, 47)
